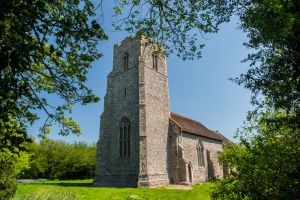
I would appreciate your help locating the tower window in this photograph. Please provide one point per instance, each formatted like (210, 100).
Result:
(200, 153)
(125, 61)
(154, 61)
(125, 92)
(124, 140)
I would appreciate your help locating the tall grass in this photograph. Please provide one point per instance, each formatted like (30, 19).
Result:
(48, 193)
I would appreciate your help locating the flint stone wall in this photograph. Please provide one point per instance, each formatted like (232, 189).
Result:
(111, 169)
(160, 151)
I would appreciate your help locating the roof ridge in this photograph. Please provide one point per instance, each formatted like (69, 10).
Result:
(221, 135)
(192, 126)
(192, 120)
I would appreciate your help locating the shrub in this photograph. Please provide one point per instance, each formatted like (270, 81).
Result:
(13, 155)
(264, 165)
(8, 182)
(60, 160)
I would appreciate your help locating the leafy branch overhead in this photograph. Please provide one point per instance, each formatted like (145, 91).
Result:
(177, 24)
(47, 47)
(272, 28)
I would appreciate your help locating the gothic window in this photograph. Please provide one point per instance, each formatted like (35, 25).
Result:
(124, 140)
(125, 92)
(200, 153)
(154, 61)
(125, 61)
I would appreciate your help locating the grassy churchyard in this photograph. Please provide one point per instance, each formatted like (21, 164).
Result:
(83, 189)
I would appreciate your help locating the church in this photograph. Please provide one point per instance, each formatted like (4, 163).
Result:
(142, 143)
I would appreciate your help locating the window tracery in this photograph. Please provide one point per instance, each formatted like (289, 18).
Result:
(200, 153)
(124, 139)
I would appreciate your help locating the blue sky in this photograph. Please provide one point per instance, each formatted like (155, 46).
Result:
(198, 89)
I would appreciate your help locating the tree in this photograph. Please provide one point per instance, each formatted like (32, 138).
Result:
(46, 49)
(273, 28)
(13, 155)
(8, 184)
(177, 24)
(264, 165)
(58, 159)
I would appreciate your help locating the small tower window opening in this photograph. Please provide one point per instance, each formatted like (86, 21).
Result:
(124, 140)
(154, 61)
(125, 61)
(200, 153)
(125, 92)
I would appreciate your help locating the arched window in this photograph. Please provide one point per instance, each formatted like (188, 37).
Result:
(154, 61)
(124, 144)
(200, 153)
(125, 61)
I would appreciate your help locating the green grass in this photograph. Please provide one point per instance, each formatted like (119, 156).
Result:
(83, 189)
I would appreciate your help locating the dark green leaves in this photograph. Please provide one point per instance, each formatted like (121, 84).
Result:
(179, 25)
(273, 29)
(265, 164)
(47, 47)
(60, 160)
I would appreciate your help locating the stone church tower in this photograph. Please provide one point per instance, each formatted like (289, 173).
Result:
(142, 143)
(132, 148)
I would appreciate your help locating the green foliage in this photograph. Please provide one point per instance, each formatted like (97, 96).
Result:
(273, 28)
(60, 160)
(13, 137)
(8, 182)
(11, 164)
(46, 48)
(83, 189)
(177, 24)
(13, 155)
(265, 165)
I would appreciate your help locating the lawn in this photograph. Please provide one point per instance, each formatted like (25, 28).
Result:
(83, 189)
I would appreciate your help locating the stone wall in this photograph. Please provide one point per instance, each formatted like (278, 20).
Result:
(211, 168)
(176, 163)
(183, 152)
(154, 94)
(111, 169)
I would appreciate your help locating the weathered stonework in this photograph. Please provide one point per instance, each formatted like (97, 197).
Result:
(161, 152)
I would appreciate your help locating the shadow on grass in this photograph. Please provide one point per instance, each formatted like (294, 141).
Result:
(67, 184)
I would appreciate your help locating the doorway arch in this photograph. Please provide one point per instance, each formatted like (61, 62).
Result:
(190, 173)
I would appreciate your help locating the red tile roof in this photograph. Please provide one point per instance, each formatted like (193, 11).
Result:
(194, 127)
